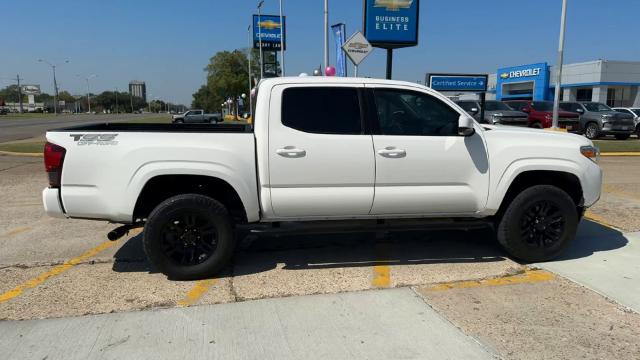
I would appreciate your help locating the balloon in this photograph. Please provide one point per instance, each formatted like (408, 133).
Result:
(317, 72)
(330, 71)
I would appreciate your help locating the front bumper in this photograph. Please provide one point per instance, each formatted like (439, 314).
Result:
(615, 129)
(51, 201)
(591, 184)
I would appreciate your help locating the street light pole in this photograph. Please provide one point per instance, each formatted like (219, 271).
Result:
(88, 91)
(55, 84)
(556, 97)
(282, 34)
(260, 37)
(249, 54)
(326, 34)
(116, 100)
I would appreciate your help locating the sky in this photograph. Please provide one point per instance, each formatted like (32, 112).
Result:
(167, 43)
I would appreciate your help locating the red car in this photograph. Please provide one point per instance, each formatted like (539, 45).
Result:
(541, 115)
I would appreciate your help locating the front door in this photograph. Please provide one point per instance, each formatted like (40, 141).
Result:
(423, 167)
(321, 163)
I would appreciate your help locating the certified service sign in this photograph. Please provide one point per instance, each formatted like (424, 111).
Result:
(391, 23)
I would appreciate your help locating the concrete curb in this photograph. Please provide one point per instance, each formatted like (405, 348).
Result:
(20, 153)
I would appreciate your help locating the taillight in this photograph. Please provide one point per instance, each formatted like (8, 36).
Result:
(53, 159)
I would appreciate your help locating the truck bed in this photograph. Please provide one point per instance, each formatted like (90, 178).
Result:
(129, 127)
(106, 166)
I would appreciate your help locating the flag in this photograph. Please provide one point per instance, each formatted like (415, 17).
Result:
(339, 31)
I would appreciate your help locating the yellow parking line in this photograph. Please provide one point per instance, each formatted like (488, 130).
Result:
(529, 276)
(597, 219)
(381, 276)
(622, 153)
(17, 231)
(31, 283)
(197, 291)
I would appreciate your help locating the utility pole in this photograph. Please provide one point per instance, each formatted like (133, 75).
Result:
(19, 93)
(260, 37)
(116, 100)
(282, 33)
(326, 34)
(55, 84)
(556, 97)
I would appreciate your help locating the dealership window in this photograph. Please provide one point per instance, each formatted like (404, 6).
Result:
(584, 94)
(322, 110)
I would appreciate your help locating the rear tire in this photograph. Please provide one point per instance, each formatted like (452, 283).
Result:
(623, 136)
(538, 224)
(189, 237)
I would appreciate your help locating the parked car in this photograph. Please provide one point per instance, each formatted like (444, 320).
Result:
(541, 115)
(196, 117)
(495, 112)
(598, 119)
(4, 111)
(635, 112)
(320, 148)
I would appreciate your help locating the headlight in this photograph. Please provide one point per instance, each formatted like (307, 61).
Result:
(495, 118)
(591, 152)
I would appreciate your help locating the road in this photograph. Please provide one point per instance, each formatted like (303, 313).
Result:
(18, 129)
(338, 295)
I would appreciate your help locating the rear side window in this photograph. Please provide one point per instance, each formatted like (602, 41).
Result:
(517, 105)
(322, 110)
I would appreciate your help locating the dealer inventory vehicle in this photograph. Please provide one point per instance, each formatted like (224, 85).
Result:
(495, 112)
(196, 117)
(541, 115)
(633, 111)
(598, 119)
(323, 154)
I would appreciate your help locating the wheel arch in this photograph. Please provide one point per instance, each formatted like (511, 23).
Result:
(566, 181)
(161, 187)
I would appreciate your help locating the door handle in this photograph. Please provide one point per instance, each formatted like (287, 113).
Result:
(291, 152)
(392, 152)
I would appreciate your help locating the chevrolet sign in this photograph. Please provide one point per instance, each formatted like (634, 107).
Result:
(521, 73)
(393, 5)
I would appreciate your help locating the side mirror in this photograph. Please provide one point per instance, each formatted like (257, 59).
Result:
(580, 111)
(473, 111)
(465, 126)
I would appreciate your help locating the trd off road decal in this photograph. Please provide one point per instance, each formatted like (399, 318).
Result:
(95, 139)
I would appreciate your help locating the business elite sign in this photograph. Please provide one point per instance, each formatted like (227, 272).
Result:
(269, 28)
(391, 23)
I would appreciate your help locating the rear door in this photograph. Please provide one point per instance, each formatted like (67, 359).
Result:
(321, 161)
(423, 167)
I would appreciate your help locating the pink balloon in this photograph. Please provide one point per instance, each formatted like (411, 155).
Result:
(330, 71)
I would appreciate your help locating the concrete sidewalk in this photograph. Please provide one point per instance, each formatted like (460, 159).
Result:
(604, 260)
(382, 324)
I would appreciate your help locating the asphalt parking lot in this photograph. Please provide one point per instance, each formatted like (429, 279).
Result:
(584, 305)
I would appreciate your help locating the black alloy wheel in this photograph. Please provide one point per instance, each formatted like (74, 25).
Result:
(542, 224)
(190, 238)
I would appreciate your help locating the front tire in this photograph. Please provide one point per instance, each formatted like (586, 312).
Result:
(539, 224)
(189, 237)
(591, 131)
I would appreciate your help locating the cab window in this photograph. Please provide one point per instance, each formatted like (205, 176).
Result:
(402, 112)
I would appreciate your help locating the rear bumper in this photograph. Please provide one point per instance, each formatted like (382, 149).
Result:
(51, 201)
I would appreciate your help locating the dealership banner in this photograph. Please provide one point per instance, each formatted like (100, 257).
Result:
(340, 38)
(391, 23)
(269, 28)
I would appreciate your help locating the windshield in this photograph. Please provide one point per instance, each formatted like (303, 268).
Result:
(496, 105)
(542, 105)
(596, 107)
(636, 111)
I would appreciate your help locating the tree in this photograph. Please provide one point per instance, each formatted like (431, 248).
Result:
(227, 77)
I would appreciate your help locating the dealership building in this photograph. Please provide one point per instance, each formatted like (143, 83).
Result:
(615, 83)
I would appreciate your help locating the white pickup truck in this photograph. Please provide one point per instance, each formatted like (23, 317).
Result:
(323, 153)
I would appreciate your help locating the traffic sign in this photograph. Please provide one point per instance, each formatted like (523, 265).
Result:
(458, 82)
(357, 48)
